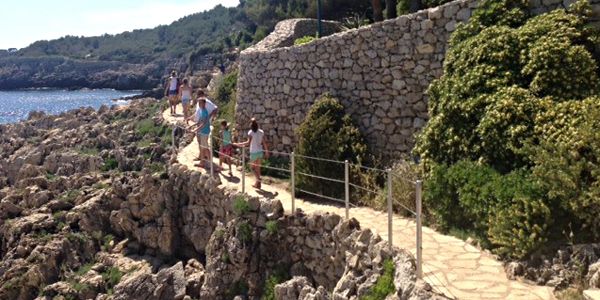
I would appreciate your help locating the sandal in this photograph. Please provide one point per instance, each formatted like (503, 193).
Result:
(256, 185)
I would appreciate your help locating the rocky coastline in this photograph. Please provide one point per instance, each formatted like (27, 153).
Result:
(94, 206)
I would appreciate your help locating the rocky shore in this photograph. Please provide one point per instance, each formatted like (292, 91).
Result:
(93, 206)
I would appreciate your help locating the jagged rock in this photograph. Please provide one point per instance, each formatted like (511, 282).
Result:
(514, 269)
(594, 275)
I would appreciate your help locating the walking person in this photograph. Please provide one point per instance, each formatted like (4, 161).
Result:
(210, 107)
(185, 94)
(258, 149)
(226, 150)
(202, 128)
(171, 92)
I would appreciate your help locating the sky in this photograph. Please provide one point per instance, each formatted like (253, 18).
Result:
(23, 22)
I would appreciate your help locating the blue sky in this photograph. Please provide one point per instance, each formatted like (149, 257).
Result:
(23, 22)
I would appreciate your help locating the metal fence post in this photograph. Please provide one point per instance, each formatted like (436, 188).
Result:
(293, 178)
(243, 169)
(210, 150)
(419, 187)
(347, 188)
(390, 208)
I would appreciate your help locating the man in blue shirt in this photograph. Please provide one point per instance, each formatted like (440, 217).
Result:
(202, 128)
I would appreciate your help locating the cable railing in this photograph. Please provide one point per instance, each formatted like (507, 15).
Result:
(389, 174)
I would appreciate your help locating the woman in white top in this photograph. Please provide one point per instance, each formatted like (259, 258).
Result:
(185, 94)
(258, 149)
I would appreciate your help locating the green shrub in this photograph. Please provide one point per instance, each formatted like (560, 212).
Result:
(109, 164)
(274, 279)
(567, 163)
(304, 40)
(495, 79)
(474, 198)
(112, 276)
(405, 175)
(240, 205)
(521, 228)
(327, 132)
(244, 232)
(225, 88)
(384, 284)
(271, 227)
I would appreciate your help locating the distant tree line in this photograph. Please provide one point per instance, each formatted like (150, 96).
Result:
(215, 30)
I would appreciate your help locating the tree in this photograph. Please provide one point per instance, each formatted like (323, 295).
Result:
(390, 12)
(377, 10)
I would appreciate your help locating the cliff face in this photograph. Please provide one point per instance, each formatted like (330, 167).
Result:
(91, 207)
(61, 72)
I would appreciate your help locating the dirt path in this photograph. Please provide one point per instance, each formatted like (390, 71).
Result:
(450, 265)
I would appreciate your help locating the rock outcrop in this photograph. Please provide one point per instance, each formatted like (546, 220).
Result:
(92, 209)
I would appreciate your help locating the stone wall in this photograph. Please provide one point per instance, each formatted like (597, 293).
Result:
(379, 72)
(189, 216)
(287, 31)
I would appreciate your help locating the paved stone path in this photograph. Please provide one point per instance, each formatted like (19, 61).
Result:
(450, 265)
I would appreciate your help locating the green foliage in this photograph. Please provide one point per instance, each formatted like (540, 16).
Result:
(329, 133)
(520, 228)
(274, 279)
(225, 96)
(304, 40)
(385, 283)
(244, 232)
(84, 269)
(111, 277)
(518, 96)
(106, 241)
(240, 205)
(51, 176)
(567, 163)
(272, 227)
(495, 79)
(471, 197)
(403, 188)
(70, 195)
(109, 164)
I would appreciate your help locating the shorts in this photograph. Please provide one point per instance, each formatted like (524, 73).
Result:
(185, 100)
(172, 92)
(256, 156)
(203, 140)
(227, 150)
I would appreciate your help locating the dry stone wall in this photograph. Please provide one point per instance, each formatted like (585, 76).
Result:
(379, 72)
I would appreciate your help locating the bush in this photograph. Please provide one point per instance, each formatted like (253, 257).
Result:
(403, 188)
(109, 164)
(471, 197)
(304, 40)
(567, 163)
(274, 279)
(384, 284)
(496, 72)
(240, 205)
(329, 133)
(244, 232)
(272, 227)
(520, 228)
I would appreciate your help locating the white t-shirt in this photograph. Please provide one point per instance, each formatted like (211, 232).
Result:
(210, 106)
(257, 139)
(173, 84)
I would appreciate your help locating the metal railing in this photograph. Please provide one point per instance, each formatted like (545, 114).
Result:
(347, 184)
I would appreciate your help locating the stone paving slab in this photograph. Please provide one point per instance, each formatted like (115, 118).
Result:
(450, 265)
(591, 294)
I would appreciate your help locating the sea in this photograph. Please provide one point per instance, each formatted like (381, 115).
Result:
(16, 105)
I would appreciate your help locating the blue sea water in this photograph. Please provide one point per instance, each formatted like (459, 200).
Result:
(16, 105)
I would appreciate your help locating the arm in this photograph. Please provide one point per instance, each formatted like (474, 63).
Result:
(243, 144)
(214, 113)
(179, 92)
